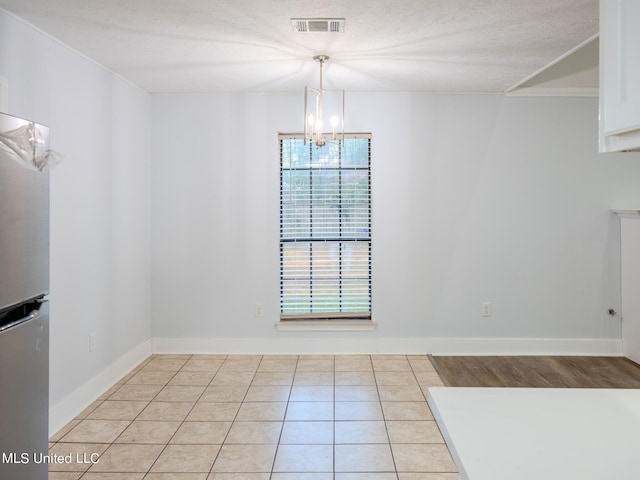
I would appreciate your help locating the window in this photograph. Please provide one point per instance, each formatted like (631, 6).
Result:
(325, 228)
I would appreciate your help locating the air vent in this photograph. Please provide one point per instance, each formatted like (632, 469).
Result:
(330, 25)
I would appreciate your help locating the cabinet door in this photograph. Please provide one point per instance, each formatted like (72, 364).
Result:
(619, 75)
(630, 278)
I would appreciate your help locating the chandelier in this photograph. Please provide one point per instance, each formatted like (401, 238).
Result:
(328, 104)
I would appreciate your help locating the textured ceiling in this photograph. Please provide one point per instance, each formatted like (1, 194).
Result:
(208, 46)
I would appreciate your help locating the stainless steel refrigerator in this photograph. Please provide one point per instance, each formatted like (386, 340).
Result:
(24, 309)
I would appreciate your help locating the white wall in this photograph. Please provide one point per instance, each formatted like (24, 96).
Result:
(475, 198)
(99, 210)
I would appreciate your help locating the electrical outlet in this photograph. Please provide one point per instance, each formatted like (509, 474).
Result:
(259, 310)
(486, 309)
(92, 342)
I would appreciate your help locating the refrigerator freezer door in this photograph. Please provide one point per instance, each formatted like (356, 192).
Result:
(24, 396)
(24, 226)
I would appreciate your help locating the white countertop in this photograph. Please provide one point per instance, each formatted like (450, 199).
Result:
(540, 433)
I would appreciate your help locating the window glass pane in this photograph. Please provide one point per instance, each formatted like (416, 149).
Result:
(355, 203)
(295, 198)
(295, 154)
(356, 296)
(326, 296)
(295, 260)
(355, 259)
(325, 209)
(295, 277)
(295, 298)
(355, 153)
(326, 156)
(325, 261)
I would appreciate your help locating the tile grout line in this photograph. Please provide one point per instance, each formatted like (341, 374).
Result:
(234, 417)
(244, 401)
(275, 456)
(149, 403)
(111, 444)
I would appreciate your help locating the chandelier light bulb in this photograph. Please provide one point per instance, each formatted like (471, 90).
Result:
(334, 126)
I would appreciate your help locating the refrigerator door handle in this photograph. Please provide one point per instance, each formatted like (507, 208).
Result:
(35, 314)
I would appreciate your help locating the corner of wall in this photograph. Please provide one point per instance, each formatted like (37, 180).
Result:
(70, 406)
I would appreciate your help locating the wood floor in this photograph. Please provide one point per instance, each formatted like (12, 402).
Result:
(537, 371)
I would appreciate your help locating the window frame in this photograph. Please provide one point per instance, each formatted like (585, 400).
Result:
(324, 316)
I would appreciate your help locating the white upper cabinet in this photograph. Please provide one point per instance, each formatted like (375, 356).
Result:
(619, 75)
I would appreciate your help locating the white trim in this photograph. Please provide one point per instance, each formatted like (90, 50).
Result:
(366, 344)
(326, 325)
(622, 142)
(554, 92)
(349, 135)
(626, 212)
(66, 409)
(552, 63)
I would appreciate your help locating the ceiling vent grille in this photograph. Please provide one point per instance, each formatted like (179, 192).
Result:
(330, 25)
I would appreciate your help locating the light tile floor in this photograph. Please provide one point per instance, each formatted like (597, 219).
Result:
(260, 417)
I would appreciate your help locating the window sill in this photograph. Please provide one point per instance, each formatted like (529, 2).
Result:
(326, 325)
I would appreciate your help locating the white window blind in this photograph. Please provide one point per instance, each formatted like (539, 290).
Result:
(325, 228)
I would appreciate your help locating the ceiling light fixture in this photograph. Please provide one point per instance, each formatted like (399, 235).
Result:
(326, 101)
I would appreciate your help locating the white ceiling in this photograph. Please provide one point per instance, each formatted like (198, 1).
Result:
(210, 46)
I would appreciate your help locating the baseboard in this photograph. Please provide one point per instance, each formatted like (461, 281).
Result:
(413, 346)
(70, 406)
